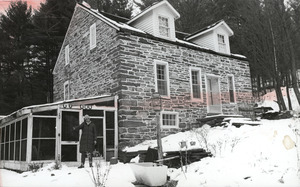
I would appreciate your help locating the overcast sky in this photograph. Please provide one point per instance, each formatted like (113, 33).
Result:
(5, 3)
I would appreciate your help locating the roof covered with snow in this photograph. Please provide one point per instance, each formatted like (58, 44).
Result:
(210, 28)
(118, 23)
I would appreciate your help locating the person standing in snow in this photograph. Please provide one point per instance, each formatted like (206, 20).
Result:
(87, 140)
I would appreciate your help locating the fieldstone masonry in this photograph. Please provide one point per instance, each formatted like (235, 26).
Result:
(123, 63)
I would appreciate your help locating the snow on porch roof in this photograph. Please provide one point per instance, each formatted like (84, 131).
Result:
(52, 106)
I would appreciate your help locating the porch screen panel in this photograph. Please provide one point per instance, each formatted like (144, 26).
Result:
(17, 150)
(7, 129)
(110, 129)
(43, 149)
(99, 127)
(2, 134)
(18, 130)
(2, 152)
(43, 138)
(12, 151)
(67, 153)
(69, 120)
(23, 150)
(24, 128)
(43, 128)
(6, 151)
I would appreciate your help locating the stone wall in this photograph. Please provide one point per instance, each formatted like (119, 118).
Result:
(137, 117)
(90, 72)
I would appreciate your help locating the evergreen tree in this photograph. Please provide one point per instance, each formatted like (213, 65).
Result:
(15, 66)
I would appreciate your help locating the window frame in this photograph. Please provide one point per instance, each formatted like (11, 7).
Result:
(200, 83)
(166, 64)
(233, 88)
(168, 27)
(169, 113)
(67, 54)
(93, 36)
(68, 96)
(222, 44)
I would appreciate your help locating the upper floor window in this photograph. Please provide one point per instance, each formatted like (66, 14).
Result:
(221, 43)
(231, 89)
(93, 36)
(164, 28)
(66, 90)
(161, 71)
(169, 119)
(67, 55)
(195, 82)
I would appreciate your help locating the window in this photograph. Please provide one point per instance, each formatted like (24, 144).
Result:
(93, 36)
(66, 90)
(231, 89)
(195, 82)
(169, 119)
(164, 28)
(161, 71)
(221, 43)
(67, 55)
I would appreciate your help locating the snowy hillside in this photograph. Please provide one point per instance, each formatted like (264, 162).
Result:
(264, 155)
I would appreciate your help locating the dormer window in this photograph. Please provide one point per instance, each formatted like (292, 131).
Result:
(164, 28)
(221, 43)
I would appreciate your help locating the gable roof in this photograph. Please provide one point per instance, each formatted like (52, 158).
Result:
(210, 28)
(154, 6)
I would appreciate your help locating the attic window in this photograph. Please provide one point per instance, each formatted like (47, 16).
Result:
(221, 43)
(66, 90)
(67, 57)
(93, 36)
(164, 28)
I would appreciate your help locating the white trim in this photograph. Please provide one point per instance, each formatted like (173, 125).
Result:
(67, 97)
(67, 54)
(177, 15)
(169, 126)
(233, 87)
(191, 84)
(93, 36)
(166, 64)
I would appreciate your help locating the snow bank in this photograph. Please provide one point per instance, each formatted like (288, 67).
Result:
(264, 155)
(119, 175)
(247, 156)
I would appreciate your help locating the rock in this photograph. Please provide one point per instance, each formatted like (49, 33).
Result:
(288, 142)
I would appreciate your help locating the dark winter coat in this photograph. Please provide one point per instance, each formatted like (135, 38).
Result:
(88, 136)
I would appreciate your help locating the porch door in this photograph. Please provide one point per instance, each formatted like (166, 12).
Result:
(69, 145)
(213, 95)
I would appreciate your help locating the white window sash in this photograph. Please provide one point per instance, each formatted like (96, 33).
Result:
(67, 55)
(93, 36)
(158, 62)
(169, 120)
(199, 83)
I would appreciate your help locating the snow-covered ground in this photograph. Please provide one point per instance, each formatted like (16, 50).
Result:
(264, 155)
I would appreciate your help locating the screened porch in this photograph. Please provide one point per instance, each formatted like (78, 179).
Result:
(44, 133)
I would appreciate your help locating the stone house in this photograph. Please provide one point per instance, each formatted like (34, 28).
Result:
(129, 76)
(138, 59)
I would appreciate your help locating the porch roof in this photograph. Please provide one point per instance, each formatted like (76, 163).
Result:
(51, 106)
